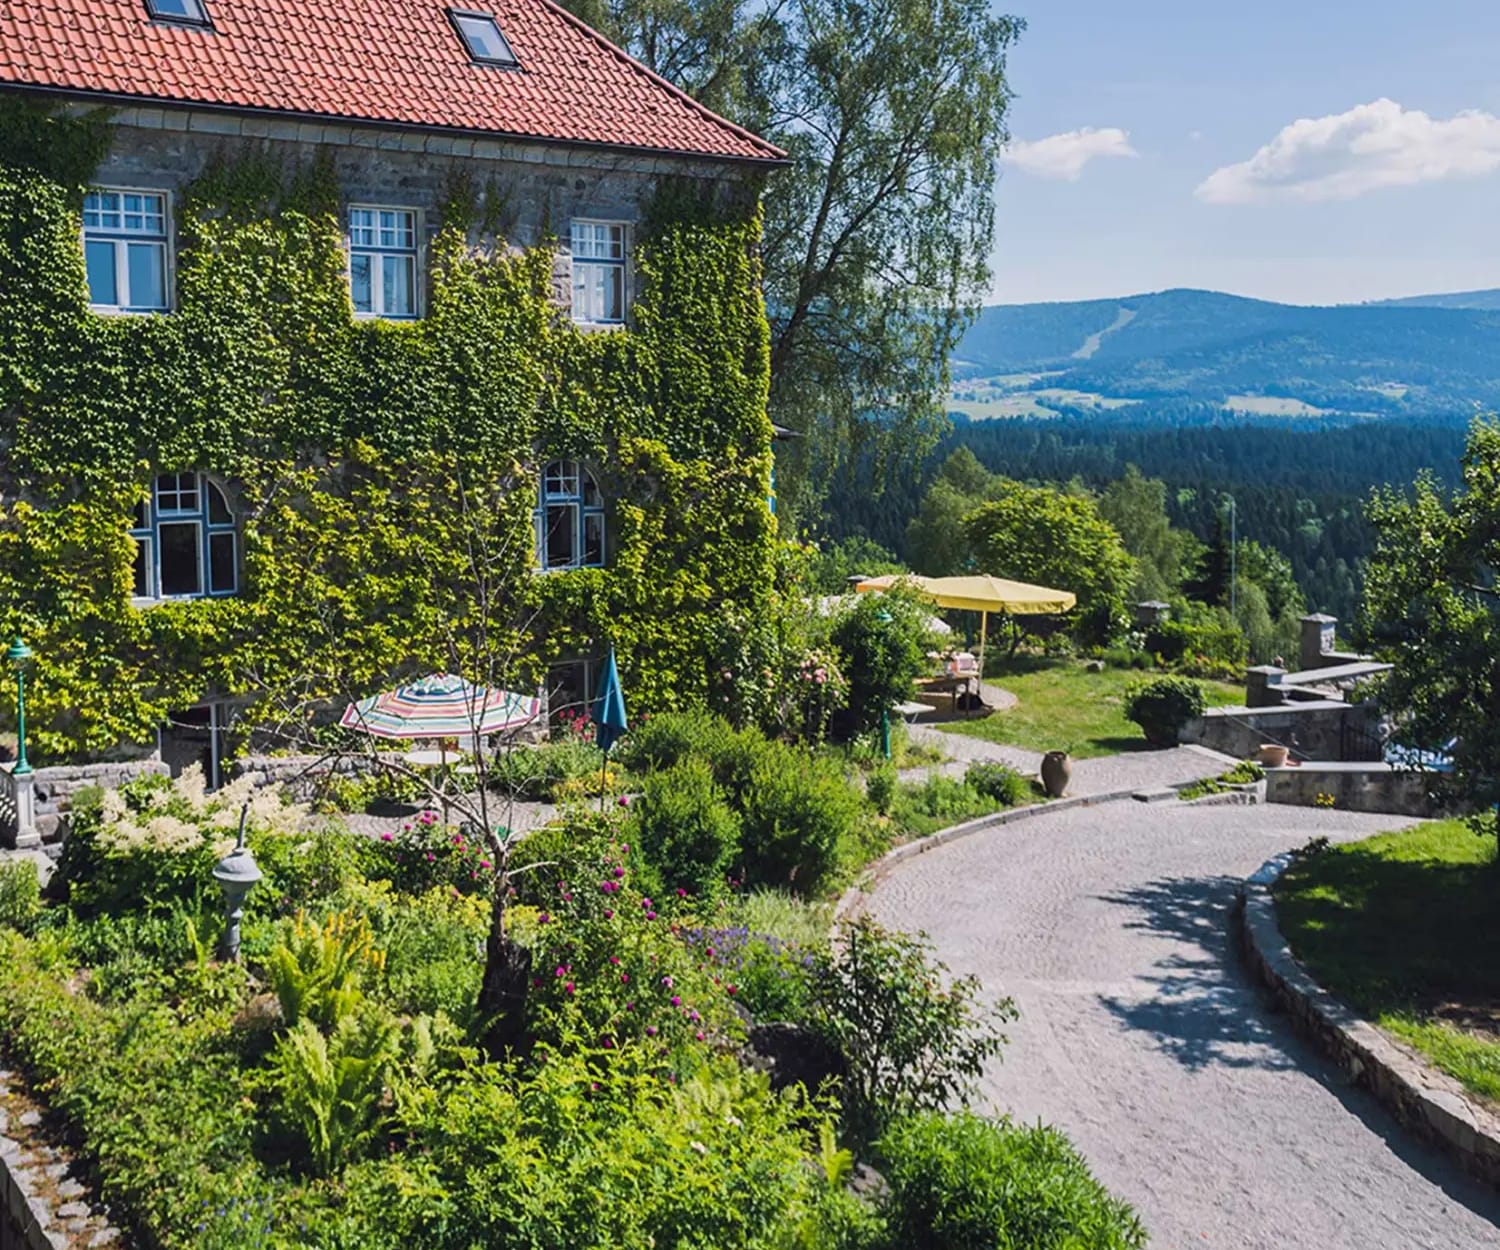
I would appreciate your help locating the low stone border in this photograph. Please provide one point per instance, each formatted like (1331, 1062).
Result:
(872, 873)
(1431, 1104)
(42, 1205)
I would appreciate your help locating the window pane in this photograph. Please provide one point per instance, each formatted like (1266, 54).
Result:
(590, 491)
(612, 297)
(142, 569)
(593, 539)
(99, 259)
(180, 572)
(187, 10)
(562, 536)
(361, 227)
(396, 286)
(148, 277)
(359, 284)
(222, 570)
(218, 506)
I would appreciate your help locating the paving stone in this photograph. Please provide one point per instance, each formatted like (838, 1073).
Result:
(71, 1189)
(73, 1211)
(29, 1119)
(107, 1236)
(1142, 1037)
(56, 1171)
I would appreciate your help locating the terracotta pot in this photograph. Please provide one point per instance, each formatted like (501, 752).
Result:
(1272, 755)
(1057, 771)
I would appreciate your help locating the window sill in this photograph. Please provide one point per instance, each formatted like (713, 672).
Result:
(598, 327)
(114, 310)
(403, 320)
(564, 568)
(143, 603)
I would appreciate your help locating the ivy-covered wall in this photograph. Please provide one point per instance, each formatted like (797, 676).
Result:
(384, 472)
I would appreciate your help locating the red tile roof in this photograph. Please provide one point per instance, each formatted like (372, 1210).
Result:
(393, 61)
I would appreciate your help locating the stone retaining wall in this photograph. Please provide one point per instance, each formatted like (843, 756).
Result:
(1370, 787)
(1433, 1106)
(1319, 727)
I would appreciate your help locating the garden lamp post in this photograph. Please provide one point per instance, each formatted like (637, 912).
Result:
(236, 873)
(17, 655)
(885, 620)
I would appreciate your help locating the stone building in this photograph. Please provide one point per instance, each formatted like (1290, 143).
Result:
(552, 141)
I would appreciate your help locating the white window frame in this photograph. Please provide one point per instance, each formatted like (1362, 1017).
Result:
(586, 262)
(121, 239)
(153, 516)
(573, 484)
(377, 251)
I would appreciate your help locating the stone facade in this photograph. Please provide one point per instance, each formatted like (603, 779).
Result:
(530, 191)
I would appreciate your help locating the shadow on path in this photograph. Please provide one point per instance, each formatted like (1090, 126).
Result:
(1203, 1009)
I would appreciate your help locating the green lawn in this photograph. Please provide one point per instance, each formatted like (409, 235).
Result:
(1406, 928)
(1065, 707)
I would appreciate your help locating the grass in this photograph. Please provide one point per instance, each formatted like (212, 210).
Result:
(924, 807)
(801, 921)
(1242, 774)
(1065, 707)
(1406, 929)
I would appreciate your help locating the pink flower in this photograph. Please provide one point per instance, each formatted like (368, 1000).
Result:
(650, 1030)
(650, 915)
(543, 918)
(732, 989)
(568, 988)
(676, 1001)
(614, 959)
(681, 893)
(667, 981)
(624, 800)
(624, 978)
(699, 1035)
(385, 837)
(484, 863)
(619, 872)
(560, 971)
(609, 913)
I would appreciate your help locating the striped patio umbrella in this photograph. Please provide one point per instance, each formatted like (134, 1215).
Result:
(440, 706)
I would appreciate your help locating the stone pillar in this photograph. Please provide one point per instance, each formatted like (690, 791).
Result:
(1150, 613)
(1317, 639)
(1263, 686)
(27, 835)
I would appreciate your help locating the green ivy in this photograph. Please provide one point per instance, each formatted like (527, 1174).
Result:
(386, 471)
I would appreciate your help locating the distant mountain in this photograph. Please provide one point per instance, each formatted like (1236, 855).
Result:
(1458, 299)
(1430, 356)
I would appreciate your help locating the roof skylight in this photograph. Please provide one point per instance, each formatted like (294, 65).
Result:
(184, 12)
(479, 31)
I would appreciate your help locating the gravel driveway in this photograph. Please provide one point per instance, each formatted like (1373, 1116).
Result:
(1141, 1037)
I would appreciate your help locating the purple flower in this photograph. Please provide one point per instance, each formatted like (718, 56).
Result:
(385, 837)
(650, 1030)
(676, 1001)
(667, 981)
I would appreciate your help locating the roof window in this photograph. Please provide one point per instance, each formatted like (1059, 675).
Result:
(479, 31)
(183, 12)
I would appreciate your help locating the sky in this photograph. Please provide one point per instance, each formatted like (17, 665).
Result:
(1321, 152)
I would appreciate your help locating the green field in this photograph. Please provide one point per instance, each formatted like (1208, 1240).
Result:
(1405, 928)
(1065, 707)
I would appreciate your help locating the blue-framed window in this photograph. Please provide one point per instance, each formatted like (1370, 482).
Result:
(569, 518)
(125, 237)
(186, 540)
(601, 252)
(383, 262)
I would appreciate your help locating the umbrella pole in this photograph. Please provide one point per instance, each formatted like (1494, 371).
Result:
(984, 629)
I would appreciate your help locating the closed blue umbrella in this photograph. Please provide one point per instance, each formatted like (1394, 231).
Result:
(609, 707)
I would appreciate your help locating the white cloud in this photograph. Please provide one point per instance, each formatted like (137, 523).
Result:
(1065, 155)
(1349, 154)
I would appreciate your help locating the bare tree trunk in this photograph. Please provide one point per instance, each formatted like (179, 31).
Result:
(502, 993)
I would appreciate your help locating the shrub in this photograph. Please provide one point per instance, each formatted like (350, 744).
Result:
(661, 741)
(1161, 706)
(772, 977)
(434, 946)
(799, 812)
(20, 894)
(425, 854)
(911, 1042)
(884, 641)
(684, 829)
(962, 1182)
(880, 789)
(996, 781)
(944, 796)
(1210, 644)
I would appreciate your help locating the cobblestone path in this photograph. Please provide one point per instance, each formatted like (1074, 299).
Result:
(1142, 1038)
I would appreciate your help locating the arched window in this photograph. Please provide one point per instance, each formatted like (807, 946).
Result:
(569, 518)
(187, 545)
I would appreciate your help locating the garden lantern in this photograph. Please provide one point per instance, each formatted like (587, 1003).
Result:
(236, 874)
(886, 620)
(18, 655)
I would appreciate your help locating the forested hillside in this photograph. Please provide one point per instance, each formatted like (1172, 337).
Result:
(1299, 484)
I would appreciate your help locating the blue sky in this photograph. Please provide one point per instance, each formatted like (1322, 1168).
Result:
(1156, 146)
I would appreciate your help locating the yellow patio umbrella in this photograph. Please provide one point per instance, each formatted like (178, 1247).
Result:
(979, 592)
